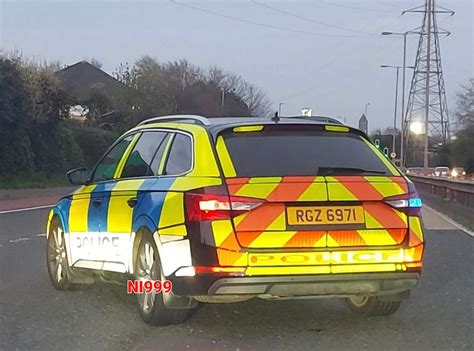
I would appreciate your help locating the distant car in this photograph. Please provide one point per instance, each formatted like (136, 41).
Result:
(442, 172)
(414, 170)
(458, 172)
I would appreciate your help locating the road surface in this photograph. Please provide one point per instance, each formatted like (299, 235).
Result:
(34, 316)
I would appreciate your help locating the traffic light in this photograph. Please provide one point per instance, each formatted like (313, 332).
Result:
(385, 151)
(377, 143)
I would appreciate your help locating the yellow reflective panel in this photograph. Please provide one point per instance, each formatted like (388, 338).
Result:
(78, 214)
(272, 239)
(287, 270)
(415, 226)
(245, 129)
(119, 216)
(257, 190)
(172, 212)
(189, 183)
(337, 191)
(341, 129)
(204, 161)
(221, 230)
(179, 230)
(226, 161)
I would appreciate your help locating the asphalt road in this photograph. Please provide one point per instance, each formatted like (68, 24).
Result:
(34, 316)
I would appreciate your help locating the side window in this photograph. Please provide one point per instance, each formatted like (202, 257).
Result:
(180, 156)
(141, 161)
(106, 168)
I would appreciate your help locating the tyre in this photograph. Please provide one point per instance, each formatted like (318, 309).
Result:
(151, 305)
(372, 305)
(59, 272)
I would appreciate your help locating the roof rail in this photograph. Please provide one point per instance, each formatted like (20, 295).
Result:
(323, 119)
(176, 118)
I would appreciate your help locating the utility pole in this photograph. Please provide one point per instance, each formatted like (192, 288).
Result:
(222, 101)
(279, 108)
(427, 103)
(394, 134)
(403, 127)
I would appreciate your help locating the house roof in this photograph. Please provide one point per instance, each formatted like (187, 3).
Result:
(81, 79)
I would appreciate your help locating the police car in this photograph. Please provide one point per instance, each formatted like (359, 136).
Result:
(229, 209)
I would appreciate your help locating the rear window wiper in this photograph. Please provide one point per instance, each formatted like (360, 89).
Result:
(347, 170)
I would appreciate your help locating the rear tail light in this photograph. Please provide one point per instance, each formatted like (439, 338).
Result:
(207, 207)
(237, 271)
(408, 203)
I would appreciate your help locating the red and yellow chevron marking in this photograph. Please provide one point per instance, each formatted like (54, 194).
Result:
(231, 258)
(370, 188)
(280, 189)
(416, 231)
(265, 226)
(282, 239)
(371, 237)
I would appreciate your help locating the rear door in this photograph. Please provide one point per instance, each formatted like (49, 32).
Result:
(321, 186)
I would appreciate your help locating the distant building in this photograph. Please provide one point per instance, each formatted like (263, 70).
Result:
(363, 124)
(81, 79)
(83, 82)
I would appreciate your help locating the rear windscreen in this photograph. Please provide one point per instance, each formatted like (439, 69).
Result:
(301, 153)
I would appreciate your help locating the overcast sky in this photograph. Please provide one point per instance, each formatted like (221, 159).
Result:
(328, 60)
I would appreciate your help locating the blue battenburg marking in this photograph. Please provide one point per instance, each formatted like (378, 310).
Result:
(151, 197)
(96, 217)
(63, 207)
(415, 202)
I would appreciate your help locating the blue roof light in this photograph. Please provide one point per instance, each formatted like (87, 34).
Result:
(415, 202)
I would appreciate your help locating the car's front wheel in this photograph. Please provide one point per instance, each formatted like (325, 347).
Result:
(372, 305)
(151, 305)
(56, 258)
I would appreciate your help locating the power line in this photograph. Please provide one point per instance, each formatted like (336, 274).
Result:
(365, 9)
(242, 20)
(309, 19)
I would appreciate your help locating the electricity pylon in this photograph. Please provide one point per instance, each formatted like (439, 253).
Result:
(427, 105)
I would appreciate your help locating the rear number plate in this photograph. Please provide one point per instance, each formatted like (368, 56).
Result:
(315, 215)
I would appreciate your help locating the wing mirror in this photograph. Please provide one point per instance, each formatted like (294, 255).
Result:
(77, 176)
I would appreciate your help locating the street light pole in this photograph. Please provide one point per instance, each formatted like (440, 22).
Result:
(395, 113)
(279, 108)
(402, 134)
(394, 134)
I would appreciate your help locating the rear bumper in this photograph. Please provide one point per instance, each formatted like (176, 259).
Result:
(339, 285)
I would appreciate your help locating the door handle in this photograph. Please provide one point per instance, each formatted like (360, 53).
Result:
(96, 203)
(132, 202)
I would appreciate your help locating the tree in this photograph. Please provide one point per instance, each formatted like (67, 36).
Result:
(15, 103)
(465, 104)
(459, 152)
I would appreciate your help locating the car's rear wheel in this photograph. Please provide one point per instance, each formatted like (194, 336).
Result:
(372, 305)
(56, 258)
(151, 305)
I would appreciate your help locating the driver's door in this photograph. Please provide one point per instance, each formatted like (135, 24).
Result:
(88, 240)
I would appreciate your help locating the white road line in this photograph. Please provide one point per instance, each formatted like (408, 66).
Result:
(26, 209)
(23, 238)
(15, 241)
(451, 221)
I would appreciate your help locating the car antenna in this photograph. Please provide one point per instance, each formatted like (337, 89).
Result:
(275, 118)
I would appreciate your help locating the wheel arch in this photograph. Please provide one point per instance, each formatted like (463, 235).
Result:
(143, 224)
(55, 212)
